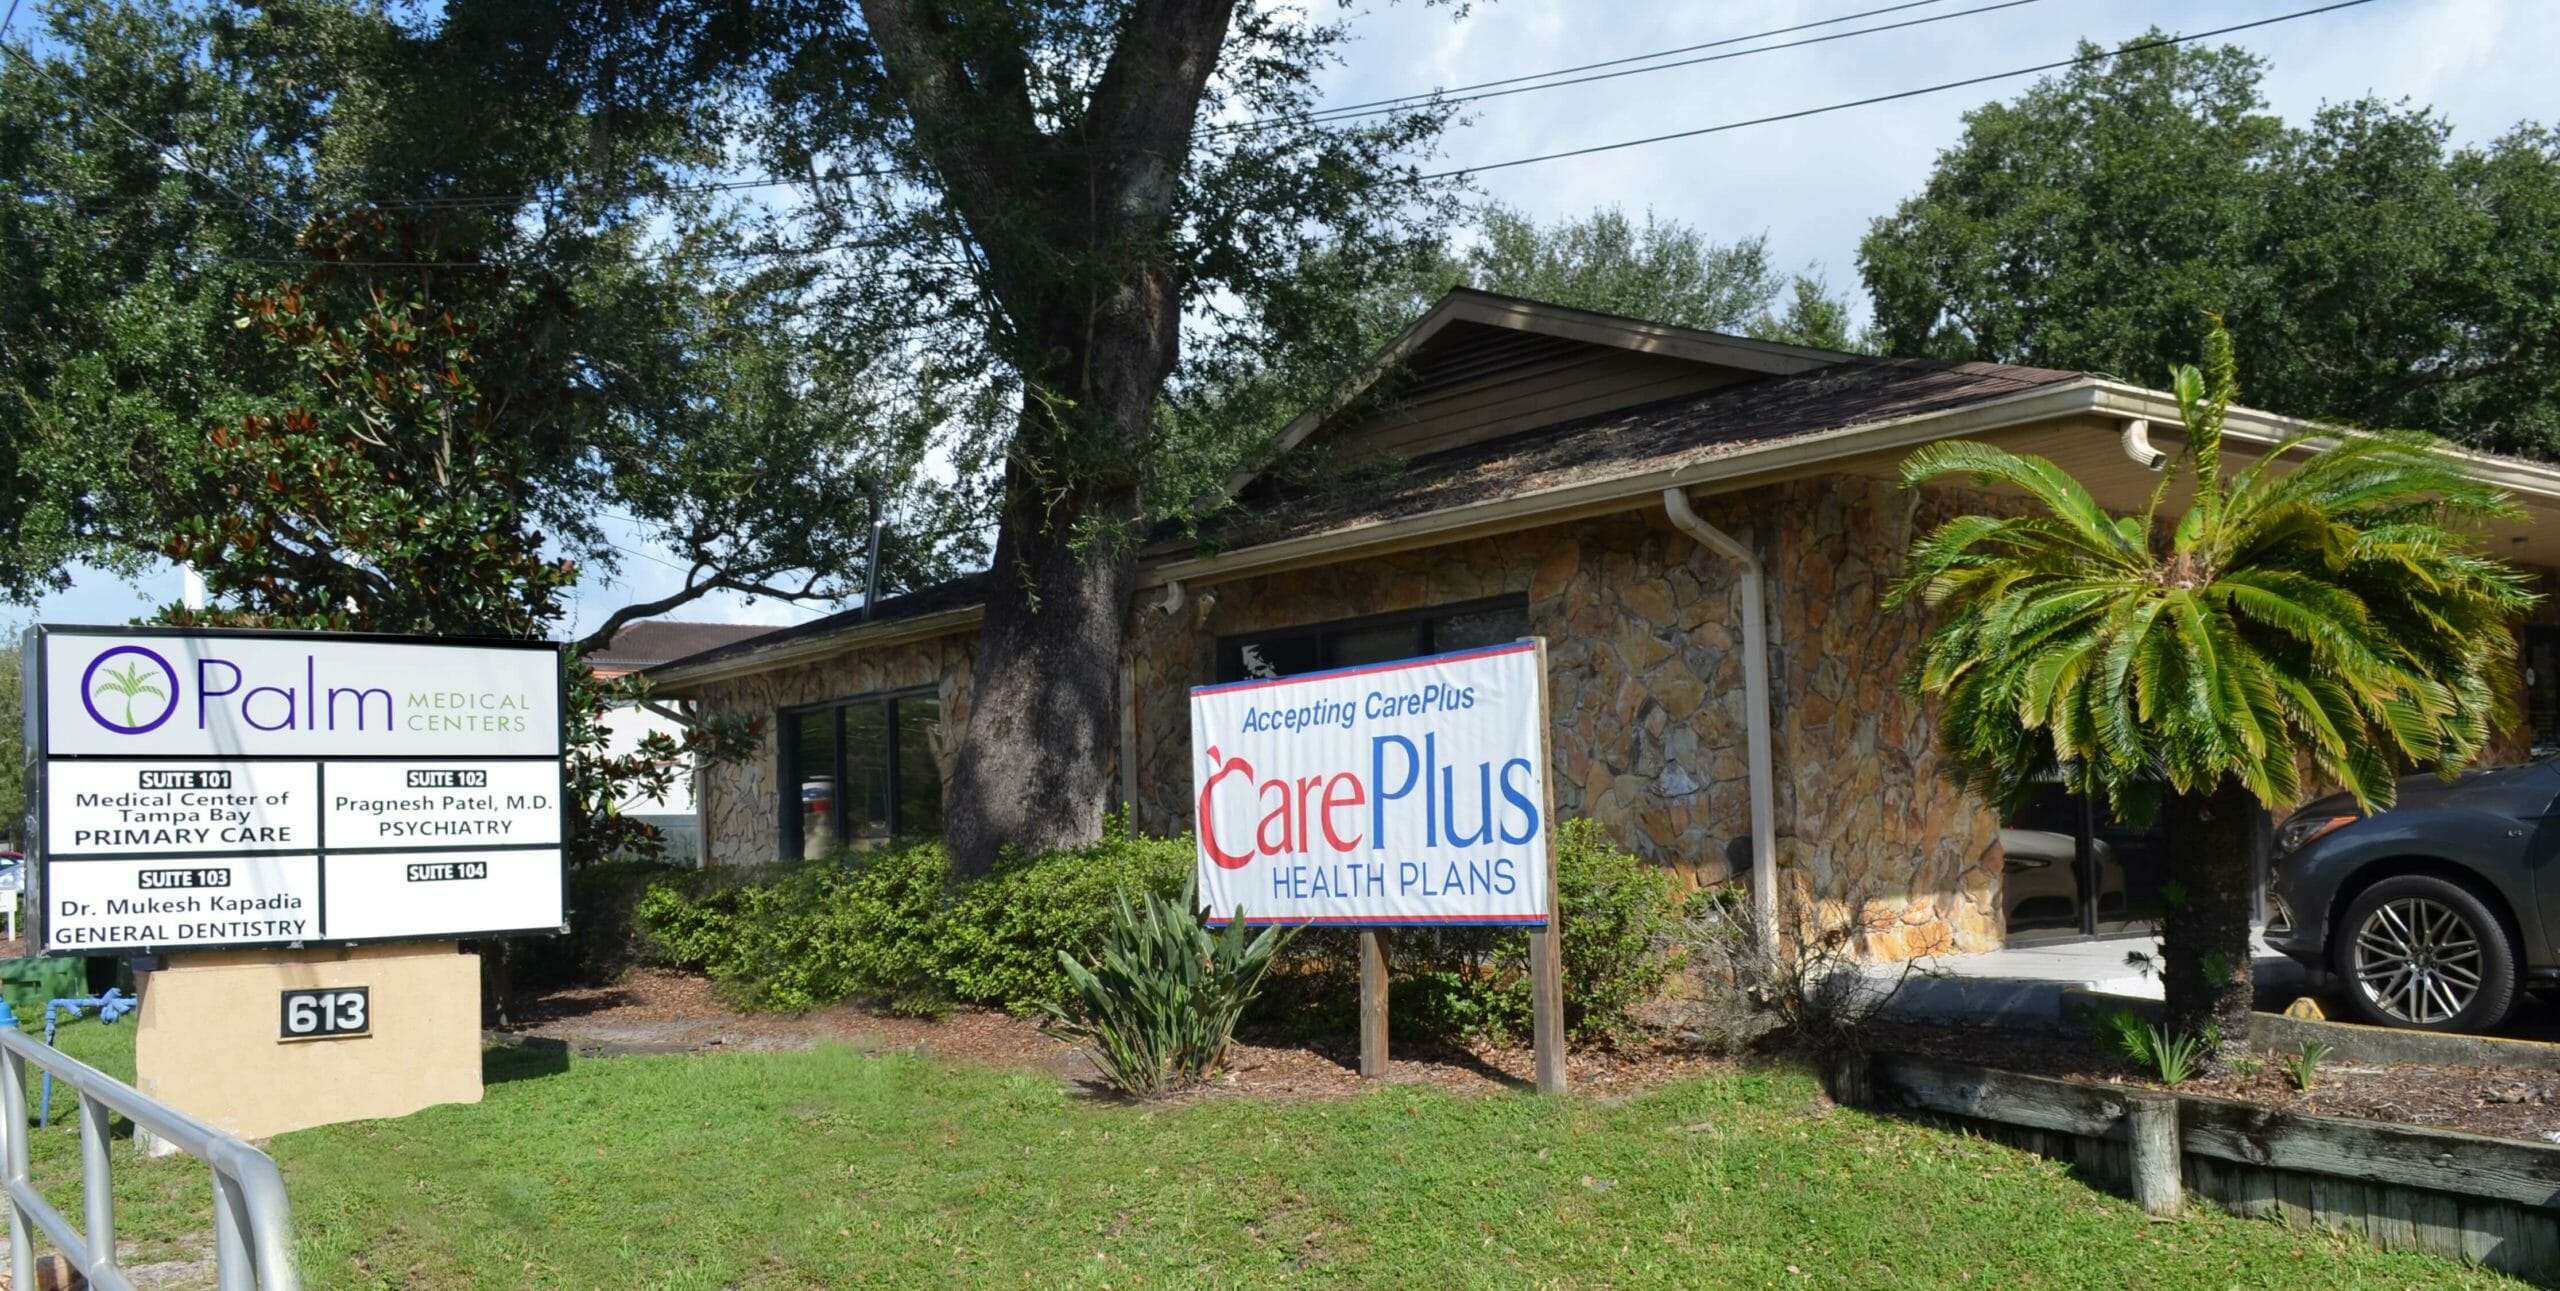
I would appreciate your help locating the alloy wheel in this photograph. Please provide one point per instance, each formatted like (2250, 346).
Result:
(2418, 960)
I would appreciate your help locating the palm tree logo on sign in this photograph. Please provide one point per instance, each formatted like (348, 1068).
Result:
(122, 681)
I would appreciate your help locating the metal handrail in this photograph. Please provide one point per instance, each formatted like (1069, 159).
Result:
(252, 1224)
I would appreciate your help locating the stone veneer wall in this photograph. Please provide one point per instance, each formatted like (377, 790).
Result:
(740, 802)
(1647, 685)
(1875, 837)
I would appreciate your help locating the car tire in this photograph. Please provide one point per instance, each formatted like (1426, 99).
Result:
(2424, 953)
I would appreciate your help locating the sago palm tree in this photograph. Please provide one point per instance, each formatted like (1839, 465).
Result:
(2323, 616)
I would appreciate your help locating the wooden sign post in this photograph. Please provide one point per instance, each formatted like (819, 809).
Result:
(1373, 1002)
(1546, 941)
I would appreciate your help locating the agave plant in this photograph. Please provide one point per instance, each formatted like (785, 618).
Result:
(1158, 1006)
(2321, 616)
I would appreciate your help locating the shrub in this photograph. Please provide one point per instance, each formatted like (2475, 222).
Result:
(892, 925)
(800, 936)
(1473, 984)
(999, 940)
(1158, 1007)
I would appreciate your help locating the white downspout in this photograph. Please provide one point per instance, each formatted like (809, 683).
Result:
(1755, 695)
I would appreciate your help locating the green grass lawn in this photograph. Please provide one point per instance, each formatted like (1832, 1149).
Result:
(833, 1168)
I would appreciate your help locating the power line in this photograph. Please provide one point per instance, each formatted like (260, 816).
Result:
(1631, 58)
(2081, 60)
(158, 149)
(1328, 117)
(1324, 116)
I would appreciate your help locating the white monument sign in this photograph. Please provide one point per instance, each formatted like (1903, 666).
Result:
(1408, 793)
(241, 788)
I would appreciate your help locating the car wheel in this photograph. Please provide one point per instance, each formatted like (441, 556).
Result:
(2426, 954)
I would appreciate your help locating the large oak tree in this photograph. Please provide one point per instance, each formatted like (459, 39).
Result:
(1061, 203)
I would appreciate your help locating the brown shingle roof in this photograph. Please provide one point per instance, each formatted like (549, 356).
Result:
(654, 641)
(1668, 434)
(950, 594)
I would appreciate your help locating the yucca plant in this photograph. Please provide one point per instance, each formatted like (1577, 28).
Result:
(1158, 1006)
(2323, 615)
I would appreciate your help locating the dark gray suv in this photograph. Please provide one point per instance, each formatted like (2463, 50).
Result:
(2430, 913)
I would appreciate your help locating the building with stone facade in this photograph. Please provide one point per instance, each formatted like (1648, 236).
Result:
(1509, 468)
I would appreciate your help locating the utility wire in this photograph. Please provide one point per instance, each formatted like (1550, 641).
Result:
(1799, 114)
(1323, 118)
(1420, 99)
(1346, 112)
(158, 149)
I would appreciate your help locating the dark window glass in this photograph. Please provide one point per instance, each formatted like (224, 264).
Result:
(1283, 656)
(919, 766)
(2542, 687)
(1356, 646)
(1287, 652)
(1480, 628)
(809, 777)
(866, 772)
(859, 773)
(2067, 868)
(2041, 880)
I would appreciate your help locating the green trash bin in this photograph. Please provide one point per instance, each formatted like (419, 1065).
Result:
(29, 984)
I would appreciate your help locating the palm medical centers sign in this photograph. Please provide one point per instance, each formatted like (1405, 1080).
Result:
(1408, 793)
(233, 788)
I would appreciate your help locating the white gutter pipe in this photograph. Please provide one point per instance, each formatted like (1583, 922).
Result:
(1752, 592)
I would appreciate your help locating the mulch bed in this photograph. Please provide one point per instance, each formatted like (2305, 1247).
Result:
(2507, 1102)
(654, 1011)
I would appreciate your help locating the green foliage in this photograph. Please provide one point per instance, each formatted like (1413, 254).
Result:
(2323, 618)
(897, 926)
(1158, 1006)
(2377, 275)
(2302, 1066)
(2171, 1055)
(2333, 619)
(894, 925)
(605, 938)
(1472, 984)
(13, 757)
(800, 936)
(334, 288)
(999, 939)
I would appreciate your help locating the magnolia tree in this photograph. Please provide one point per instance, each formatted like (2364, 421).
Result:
(2318, 617)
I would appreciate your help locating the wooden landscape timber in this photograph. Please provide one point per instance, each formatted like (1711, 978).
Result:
(2495, 1202)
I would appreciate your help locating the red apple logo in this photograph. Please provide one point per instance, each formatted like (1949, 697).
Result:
(1208, 819)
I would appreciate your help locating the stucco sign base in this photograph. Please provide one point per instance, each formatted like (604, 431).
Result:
(207, 1040)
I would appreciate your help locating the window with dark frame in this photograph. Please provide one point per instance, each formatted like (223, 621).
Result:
(2542, 687)
(859, 772)
(1345, 643)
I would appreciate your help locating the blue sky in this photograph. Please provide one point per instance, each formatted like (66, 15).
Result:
(1811, 185)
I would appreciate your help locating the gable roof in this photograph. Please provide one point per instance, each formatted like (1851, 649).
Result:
(1470, 334)
(1647, 440)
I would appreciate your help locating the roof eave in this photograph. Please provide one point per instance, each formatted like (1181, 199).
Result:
(2536, 480)
(866, 636)
(2077, 396)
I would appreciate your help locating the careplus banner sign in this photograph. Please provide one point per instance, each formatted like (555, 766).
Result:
(1390, 794)
(240, 788)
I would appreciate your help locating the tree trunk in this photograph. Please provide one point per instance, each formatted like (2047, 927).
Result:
(1034, 762)
(1033, 770)
(2204, 934)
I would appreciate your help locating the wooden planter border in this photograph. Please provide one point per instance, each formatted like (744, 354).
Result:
(2493, 1201)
